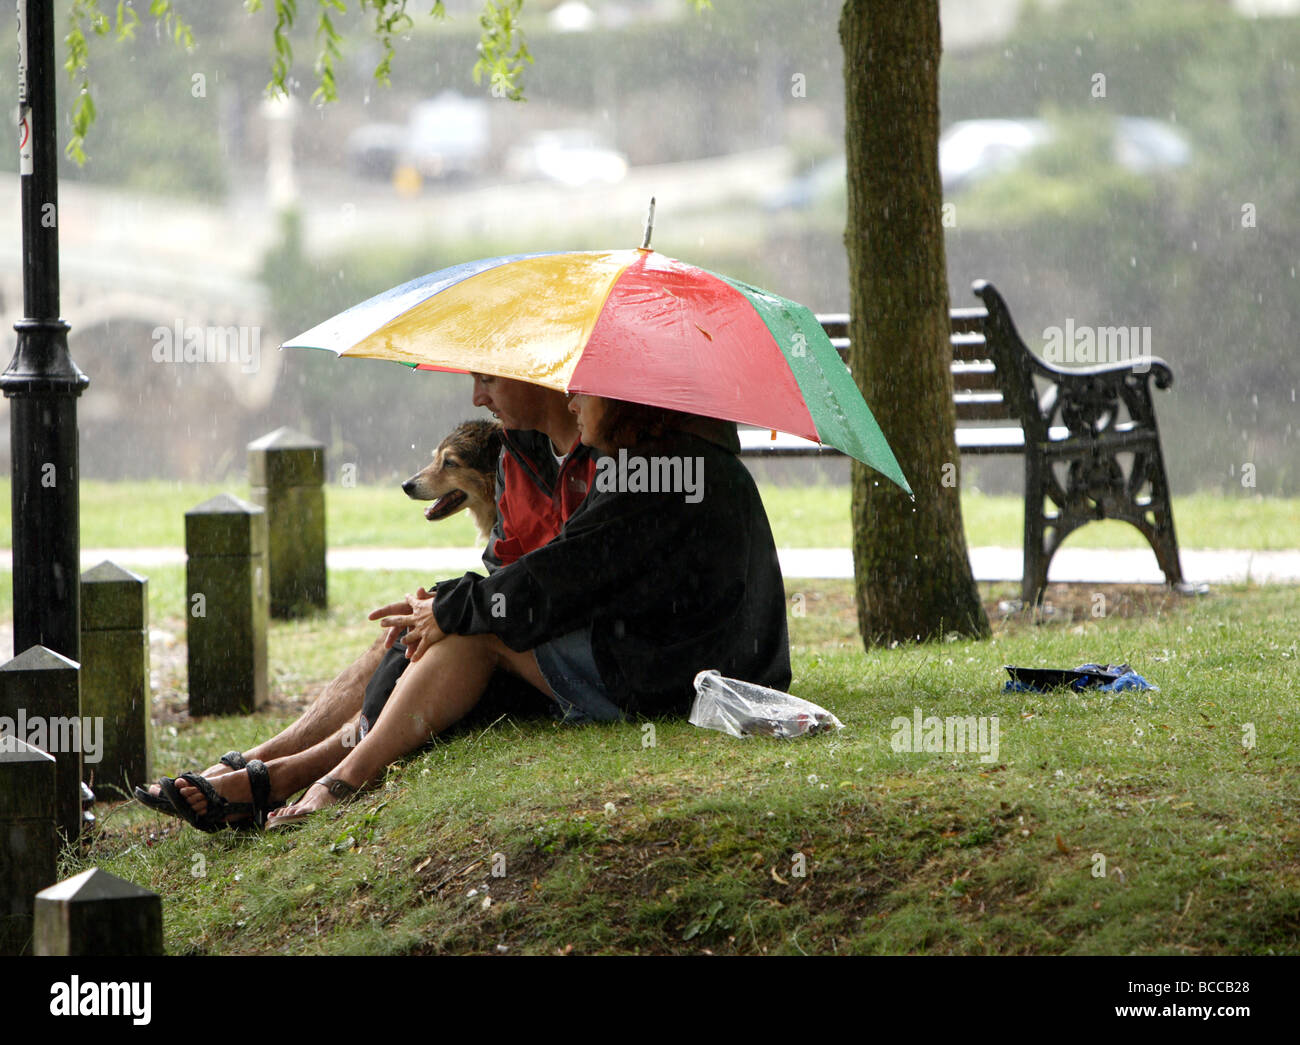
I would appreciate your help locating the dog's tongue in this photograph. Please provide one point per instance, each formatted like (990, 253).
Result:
(447, 504)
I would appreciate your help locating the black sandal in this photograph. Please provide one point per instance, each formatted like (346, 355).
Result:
(159, 802)
(220, 809)
(162, 804)
(181, 808)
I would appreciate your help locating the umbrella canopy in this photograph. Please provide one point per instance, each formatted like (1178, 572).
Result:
(624, 324)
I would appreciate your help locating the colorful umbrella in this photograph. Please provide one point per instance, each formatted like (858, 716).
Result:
(625, 324)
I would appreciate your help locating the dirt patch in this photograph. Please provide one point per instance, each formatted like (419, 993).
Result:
(825, 612)
(168, 681)
(1067, 603)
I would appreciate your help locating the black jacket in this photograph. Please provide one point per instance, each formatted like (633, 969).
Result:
(669, 587)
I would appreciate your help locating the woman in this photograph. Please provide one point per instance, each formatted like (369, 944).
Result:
(668, 568)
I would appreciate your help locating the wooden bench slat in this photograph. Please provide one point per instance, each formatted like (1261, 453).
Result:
(967, 320)
(975, 377)
(969, 348)
(758, 440)
(982, 406)
(971, 440)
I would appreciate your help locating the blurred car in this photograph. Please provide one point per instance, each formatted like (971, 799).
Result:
(571, 157)
(373, 150)
(1143, 144)
(971, 150)
(974, 149)
(445, 136)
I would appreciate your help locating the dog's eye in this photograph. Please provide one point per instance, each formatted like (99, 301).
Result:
(451, 462)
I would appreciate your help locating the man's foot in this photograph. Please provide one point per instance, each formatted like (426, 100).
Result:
(327, 791)
(232, 786)
(234, 800)
(231, 762)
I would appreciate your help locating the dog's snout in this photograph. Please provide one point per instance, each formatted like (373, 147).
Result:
(408, 487)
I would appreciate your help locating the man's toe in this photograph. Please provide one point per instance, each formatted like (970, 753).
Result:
(193, 796)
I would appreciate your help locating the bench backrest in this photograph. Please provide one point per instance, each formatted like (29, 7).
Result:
(991, 375)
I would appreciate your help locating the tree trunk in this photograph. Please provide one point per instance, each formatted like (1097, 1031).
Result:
(913, 576)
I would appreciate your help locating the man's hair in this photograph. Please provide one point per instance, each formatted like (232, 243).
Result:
(629, 424)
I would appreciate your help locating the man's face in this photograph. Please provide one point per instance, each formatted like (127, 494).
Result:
(516, 403)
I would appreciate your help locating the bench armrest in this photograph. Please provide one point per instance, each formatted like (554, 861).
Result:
(1140, 366)
(1085, 400)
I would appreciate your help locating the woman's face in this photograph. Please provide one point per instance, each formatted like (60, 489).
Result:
(590, 412)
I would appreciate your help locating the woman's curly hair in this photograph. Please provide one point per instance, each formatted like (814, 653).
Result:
(630, 424)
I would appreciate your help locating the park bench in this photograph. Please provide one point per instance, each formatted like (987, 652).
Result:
(1071, 424)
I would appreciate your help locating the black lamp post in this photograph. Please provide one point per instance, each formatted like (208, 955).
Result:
(42, 383)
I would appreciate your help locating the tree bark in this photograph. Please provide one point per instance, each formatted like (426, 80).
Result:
(912, 572)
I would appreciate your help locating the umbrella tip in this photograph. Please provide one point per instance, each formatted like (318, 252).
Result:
(649, 225)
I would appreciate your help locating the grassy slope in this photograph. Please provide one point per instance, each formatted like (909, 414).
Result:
(147, 514)
(904, 852)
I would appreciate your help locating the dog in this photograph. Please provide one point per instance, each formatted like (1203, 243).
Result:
(462, 475)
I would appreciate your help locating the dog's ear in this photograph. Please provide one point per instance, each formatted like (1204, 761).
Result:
(484, 448)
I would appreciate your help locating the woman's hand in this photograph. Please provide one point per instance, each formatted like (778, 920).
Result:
(415, 616)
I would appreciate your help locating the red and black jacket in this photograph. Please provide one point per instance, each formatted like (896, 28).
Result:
(534, 495)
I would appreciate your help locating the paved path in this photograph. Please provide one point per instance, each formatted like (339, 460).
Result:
(1071, 565)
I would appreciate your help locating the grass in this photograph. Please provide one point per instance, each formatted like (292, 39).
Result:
(1128, 823)
(151, 514)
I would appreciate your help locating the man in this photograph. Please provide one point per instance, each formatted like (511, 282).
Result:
(543, 476)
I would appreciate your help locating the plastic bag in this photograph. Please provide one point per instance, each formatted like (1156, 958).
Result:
(744, 709)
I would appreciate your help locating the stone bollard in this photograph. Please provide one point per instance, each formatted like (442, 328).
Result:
(225, 576)
(287, 473)
(29, 837)
(115, 673)
(40, 694)
(94, 914)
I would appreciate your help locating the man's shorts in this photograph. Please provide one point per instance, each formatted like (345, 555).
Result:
(381, 684)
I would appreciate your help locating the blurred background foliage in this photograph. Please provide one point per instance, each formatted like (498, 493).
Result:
(1068, 233)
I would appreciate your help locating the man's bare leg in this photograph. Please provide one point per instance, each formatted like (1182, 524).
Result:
(433, 693)
(335, 709)
(338, 706)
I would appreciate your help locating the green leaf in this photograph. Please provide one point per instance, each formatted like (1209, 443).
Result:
(703, 921)
(86, 15)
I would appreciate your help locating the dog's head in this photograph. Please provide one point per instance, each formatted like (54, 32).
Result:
(462, 473)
